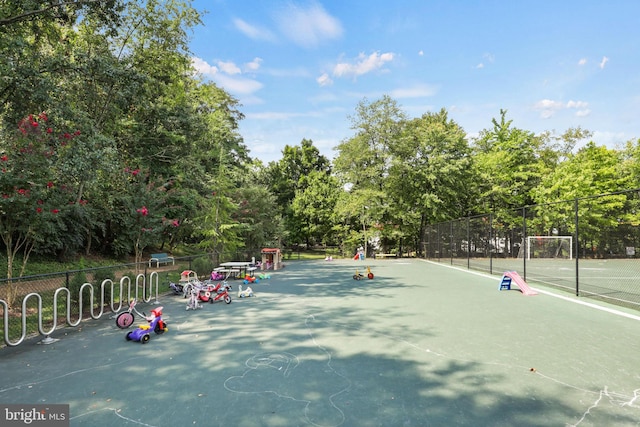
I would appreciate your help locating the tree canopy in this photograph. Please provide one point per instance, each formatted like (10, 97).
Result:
(110, 143)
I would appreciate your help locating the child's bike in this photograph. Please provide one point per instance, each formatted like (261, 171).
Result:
(125, 319)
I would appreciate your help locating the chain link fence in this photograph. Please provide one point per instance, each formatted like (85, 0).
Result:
(588, 246)
(77, 301)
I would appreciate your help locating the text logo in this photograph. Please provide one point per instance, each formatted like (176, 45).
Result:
(34, 415)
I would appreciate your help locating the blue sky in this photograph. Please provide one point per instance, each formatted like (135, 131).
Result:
(300, 68)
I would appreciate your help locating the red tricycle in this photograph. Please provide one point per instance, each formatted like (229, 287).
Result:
(143, 332)
(215, 293)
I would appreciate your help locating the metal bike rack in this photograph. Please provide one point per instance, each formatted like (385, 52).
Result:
(147, 294)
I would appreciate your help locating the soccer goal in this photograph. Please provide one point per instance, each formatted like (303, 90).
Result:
(550, 247)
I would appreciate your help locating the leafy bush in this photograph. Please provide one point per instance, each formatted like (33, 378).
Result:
(76, 282)
(202, 266)
(100, 276)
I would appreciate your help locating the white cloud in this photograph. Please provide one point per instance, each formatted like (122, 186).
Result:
(549, 107)
(227, 79)
(253, 65)
(610, 139)
(362, 65)
(548, 104)
(582, 61)
(488, 58)
(228, 67)
(203, 67)
(253, 32)
(603, 62)
(324, 80)
(421, 53)
(418, 91)
(577, 104)
(308, 26)
(238, 85)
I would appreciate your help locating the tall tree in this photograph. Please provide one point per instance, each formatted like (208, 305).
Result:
(507, 164)
(593, 170)
(34, 197)
(289, 177)
(313, 208)
(363, 163)
(430, 175)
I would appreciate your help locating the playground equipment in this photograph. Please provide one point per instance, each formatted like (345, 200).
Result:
(217, 275)
(510, 277)
(359, 276)
(216, 293)
(186, 277)
(271, 259)
(246, 293)
(250, 279)
(193, 294)
(125, 319)
(143, 332)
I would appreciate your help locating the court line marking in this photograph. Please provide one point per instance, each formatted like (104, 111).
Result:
(548, 293)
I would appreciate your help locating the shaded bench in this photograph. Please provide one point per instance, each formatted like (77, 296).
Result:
(162, 258)
(385, 256)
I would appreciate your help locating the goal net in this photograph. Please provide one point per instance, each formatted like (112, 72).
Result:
(550, 247)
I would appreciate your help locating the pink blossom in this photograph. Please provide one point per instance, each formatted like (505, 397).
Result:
(143, 210)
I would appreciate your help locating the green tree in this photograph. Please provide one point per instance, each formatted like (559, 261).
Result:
(363, 163)
(288, 177)
(507, 165)
(429, 178)
(593, 170)
(33, 197)
(313, 207)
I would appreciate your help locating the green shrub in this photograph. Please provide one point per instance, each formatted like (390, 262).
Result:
(202, 266)
(100, 276)
(76, 282)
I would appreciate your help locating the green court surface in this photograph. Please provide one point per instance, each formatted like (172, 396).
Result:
(421, 344)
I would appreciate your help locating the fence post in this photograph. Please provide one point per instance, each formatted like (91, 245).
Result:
(468, 243)
(577, 247)
(451, 242)
(490, 243)
(524, 236)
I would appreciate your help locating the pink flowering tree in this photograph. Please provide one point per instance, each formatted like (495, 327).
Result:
(142, 213)
(32, 199)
